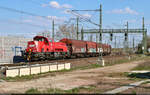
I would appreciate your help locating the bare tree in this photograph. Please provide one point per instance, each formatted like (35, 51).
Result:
(65, 31)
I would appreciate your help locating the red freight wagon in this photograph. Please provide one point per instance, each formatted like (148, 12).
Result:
(107, 49)
(104, 46)
(75, 47)
(91, 47)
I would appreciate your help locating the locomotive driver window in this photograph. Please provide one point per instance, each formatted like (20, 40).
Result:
(42, 39)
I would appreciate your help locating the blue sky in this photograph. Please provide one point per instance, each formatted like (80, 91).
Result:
(115, 14)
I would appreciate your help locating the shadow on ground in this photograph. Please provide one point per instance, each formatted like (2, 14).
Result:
(140, 75)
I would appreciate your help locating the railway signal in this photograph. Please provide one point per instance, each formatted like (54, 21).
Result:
(111, 36)
(143, 31)
(100, 31)
(126, 36)
(126, 32)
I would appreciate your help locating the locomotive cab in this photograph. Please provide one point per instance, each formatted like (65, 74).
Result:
(31, 46)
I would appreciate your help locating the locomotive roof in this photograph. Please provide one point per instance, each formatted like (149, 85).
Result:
(37, 37)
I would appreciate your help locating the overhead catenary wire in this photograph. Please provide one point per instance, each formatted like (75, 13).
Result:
(22, 12)
(16, 22)
(84, 18)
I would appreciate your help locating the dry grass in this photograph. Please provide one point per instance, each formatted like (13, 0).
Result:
(144, 66)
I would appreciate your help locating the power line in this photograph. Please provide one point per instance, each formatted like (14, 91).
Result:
(81, 16)
(16, 22)
(22, 12)
(86, 10)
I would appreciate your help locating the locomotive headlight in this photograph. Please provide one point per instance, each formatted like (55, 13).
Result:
(30, 50)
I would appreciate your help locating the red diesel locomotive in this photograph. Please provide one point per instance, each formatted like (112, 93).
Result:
(41, 48)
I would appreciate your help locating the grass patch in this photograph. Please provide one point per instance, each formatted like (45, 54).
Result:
(144, 66)
(18, 78)
(59, 91)
(126, 59)
(33, 91)
(134, 92)
(146, 82)
(91, 66)
(116, 75)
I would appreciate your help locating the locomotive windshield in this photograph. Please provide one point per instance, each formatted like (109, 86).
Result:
(38, 39)
(41, 38)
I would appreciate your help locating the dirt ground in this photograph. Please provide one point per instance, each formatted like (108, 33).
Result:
(141, 89)
(92, 60)
(104, 78)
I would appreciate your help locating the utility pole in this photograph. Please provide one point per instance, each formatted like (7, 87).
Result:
(115, 42)
(126, 37)
(127, 44)
(77, 27)
(127, 26)
(144, 47)
(133, 43)
(100, 33)
(53, 26)
(96, 38)
(91, 37)
(82, 35)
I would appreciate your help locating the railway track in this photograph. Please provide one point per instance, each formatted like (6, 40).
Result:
(41, 62)
(51, 61)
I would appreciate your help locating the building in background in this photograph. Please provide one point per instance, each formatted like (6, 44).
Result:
(11, 46)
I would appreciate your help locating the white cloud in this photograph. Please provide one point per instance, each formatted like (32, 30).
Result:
(55, 4)
(126, 10)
